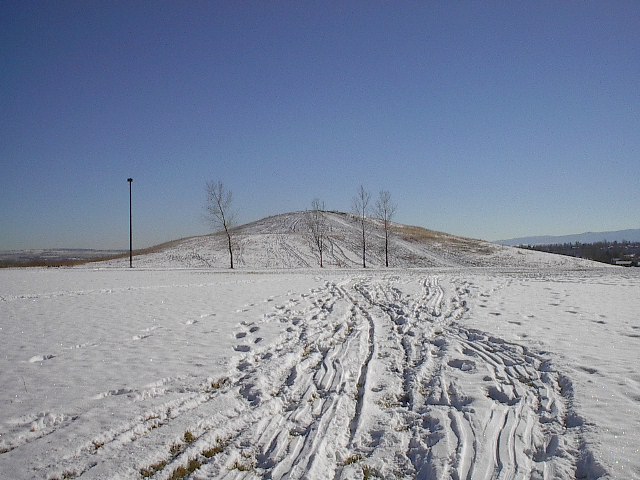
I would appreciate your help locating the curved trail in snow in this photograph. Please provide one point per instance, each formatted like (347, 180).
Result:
(373, 377)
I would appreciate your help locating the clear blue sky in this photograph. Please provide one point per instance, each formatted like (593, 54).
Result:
(485, 119)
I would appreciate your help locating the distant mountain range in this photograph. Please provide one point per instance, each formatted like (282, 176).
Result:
(53, 257)
(632, 235)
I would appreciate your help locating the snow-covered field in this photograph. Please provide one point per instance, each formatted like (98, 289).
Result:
(443, 372)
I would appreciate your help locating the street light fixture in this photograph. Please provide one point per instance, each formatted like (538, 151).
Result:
(130, 180)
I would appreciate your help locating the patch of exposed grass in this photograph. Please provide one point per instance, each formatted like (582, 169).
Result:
(183, 472)
(215, 450)
(151, 470)
(65, 475)
(313, 397)
(307, 351)
(176, 449)
(370, 472)
(220, 383)
(247, 462)
(389, 401)
(242, 466)
(419, 234)
(350, 460)
(422, 235)
(189, 437)
(97, 445)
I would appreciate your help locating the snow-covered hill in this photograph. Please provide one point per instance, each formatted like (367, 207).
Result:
(283, 241)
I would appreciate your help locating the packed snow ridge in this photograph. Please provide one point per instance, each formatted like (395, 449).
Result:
(478, 362)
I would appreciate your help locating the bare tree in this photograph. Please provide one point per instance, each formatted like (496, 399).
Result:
(317, 224)
(219, 211)
(361, 210)
(385, 210)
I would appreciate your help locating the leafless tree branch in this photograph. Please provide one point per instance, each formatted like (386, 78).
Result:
(360, 208)
(317, 224)
(220, 213)
(385, 210)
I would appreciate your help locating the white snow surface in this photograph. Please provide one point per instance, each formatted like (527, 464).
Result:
(484, 363)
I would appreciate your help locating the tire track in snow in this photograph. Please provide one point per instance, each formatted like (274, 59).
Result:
(299, 396)
(361, 384)
(191, 405)
(511, 420)
(373, 376)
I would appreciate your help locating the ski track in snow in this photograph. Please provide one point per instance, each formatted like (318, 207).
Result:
(373, 376)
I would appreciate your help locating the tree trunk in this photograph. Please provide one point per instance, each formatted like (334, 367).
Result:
(364, 248)
(230, 249)
(386, 247)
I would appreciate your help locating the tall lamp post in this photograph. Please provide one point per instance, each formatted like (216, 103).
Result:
(130, 180)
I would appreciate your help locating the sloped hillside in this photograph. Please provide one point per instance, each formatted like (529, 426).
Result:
(284, 241)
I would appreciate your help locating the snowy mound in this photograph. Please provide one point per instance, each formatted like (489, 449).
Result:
(284, 241)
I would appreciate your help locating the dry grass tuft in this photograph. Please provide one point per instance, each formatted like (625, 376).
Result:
(183, 472)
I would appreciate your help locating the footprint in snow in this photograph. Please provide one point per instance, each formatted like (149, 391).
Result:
(589, 370)
(464, 365)
(114, 393)
(501, 396)
(40, 358)
(46, 420)
(140, 337)
(244, 334)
